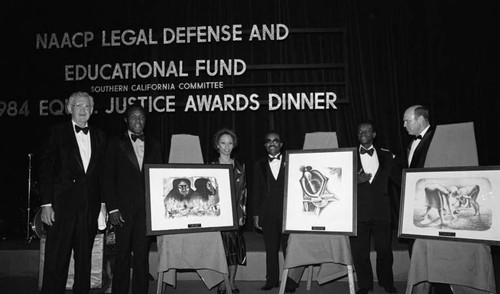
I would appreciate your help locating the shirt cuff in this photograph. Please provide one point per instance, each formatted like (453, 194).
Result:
(46, 205)
(114, 210)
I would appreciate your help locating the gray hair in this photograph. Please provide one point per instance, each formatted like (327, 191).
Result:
(73, 96)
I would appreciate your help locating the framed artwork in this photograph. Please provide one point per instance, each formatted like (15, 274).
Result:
(320, 191)
(185, 198)
(461, 203)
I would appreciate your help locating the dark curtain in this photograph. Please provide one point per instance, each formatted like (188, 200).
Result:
(380, 56)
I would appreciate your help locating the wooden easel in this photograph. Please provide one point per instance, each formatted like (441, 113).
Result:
(186, 149)
(160, 287)
(318, 140)
(310, 268)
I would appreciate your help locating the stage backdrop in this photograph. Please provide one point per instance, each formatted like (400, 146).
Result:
(197, 66)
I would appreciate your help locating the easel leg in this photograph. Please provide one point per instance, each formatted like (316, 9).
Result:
(228, 285)
(309, 277)
(159, 285)
(283, 281)
(350, 275)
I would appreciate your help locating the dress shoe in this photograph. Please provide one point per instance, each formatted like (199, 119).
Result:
(363, 291)
(390, 289)
(269, 286)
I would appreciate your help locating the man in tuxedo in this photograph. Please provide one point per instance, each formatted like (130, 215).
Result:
(70, 178)
(124, 191)
(377, 169)
(268, 194)
(417, 123)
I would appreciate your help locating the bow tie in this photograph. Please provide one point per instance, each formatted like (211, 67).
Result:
(419, 137)
(271, 158)
(369, 151)
(135, 137)
(85, 130)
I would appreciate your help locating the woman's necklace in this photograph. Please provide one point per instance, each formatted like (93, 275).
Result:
(228, 160)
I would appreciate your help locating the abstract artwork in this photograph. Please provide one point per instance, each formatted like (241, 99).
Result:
(320, 191)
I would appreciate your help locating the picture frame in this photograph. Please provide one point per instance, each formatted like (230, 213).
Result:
(186, 198)
(320, 191)
(452, 203)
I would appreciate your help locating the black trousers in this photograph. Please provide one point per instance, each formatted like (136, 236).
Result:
(380, 232)
(132, 248)
(76, 233)
(273, 238)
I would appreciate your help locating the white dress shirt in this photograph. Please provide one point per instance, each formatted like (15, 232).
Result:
(275, 165)
(84, 146)
(415, 143)
(138, 149)
(370, 163)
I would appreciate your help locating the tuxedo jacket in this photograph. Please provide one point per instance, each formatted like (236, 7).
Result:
(124, 183)
(373, 198)
(268, 192)
(63, 180)
(420, 154)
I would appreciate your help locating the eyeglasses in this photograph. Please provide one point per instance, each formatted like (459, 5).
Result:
(275, 141)
(365, 132)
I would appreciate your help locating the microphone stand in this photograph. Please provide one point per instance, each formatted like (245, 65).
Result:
(28, 231)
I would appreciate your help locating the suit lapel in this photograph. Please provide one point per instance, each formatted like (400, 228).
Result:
(128, 149)
(359, 161)
(93, 147)
(74, 145)
(381, 163)
(421, 146)
(147, 150)
(282, 169)
(266, 169)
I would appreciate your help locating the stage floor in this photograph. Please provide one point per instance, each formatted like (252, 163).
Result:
(20, 258)
(28, 285)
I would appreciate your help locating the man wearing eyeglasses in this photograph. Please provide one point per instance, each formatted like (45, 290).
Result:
(268, 194)
(70, 179)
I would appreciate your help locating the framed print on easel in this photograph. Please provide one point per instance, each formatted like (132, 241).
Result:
(320, 191)
(185, 198)
(458, 203)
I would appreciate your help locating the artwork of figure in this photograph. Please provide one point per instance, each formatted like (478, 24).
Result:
(182, 200)
(467, 196)
(452, 204)
(206, 197)
(315, 189)
(437, 197)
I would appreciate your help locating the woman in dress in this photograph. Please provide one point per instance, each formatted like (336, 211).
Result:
(225, 141)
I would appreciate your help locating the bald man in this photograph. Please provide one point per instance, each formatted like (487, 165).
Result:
(417, 123)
